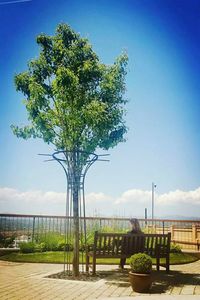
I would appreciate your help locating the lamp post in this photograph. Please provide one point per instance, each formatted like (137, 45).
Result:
(153, 188)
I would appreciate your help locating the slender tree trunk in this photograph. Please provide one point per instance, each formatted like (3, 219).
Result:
(75, 198)
(76, 230)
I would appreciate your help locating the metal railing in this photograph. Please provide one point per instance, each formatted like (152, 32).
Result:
(183, 232)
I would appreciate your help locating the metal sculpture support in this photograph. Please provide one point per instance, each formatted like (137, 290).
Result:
(75, 165)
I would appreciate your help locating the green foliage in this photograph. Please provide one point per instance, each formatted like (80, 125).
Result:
(51, 241)
(73, 100)
(64, 247)
(141, 263)
(6, 241)
(40, 247)
(97, 227)
(54, 241)
(29, 247)
(174, 248)
(150, 230)
(114, 229)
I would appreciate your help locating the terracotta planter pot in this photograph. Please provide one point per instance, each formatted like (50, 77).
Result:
(140, 283)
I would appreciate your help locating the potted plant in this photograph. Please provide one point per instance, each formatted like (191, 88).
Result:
(140, 274)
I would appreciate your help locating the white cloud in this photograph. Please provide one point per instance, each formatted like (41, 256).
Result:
(180, 197)
(134, 195)
(92, 198)
(170, 198)
(13, 195)
(131, 202)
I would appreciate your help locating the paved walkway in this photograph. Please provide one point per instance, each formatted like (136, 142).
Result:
(24, 281)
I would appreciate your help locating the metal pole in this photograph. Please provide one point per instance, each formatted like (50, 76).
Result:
(145, 216)
(33, 230)
(163, 225)
(153, 187)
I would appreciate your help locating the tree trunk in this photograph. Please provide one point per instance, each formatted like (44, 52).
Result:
(75, 199)
(76, 230)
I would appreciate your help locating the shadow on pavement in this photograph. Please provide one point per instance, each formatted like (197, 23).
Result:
(161, 280)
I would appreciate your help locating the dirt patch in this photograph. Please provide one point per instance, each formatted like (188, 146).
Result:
(81, 277)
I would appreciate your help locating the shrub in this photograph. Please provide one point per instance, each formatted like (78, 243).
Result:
(141, 263)
(9, 242)
(174, 248)
(62, 246)
(51, 240)
(6, 242)
(27, 247)
(40, 247)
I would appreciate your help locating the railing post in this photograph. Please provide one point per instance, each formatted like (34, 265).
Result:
(194, 233)
(163, 227)
(33, 232)
(172, 231)
(145, 216)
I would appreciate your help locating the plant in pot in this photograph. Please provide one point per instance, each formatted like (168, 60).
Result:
(140, 274)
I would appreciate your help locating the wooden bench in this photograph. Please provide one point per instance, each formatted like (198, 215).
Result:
(123, 245)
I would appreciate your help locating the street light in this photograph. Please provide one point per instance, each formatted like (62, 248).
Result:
(153, 187)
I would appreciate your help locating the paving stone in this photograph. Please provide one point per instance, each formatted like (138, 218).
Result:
(127, 292)
(27, 281)
(188, 290)
(197, 290)
(176, 290)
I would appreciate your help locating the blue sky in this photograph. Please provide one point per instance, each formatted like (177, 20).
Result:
(162, 39)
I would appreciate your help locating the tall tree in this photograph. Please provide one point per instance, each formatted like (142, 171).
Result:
(73, 101)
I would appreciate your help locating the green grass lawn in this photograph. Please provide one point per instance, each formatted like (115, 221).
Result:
(58, 257)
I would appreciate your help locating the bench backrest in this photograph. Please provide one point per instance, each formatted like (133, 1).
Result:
(153, 241)
(127, 244)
